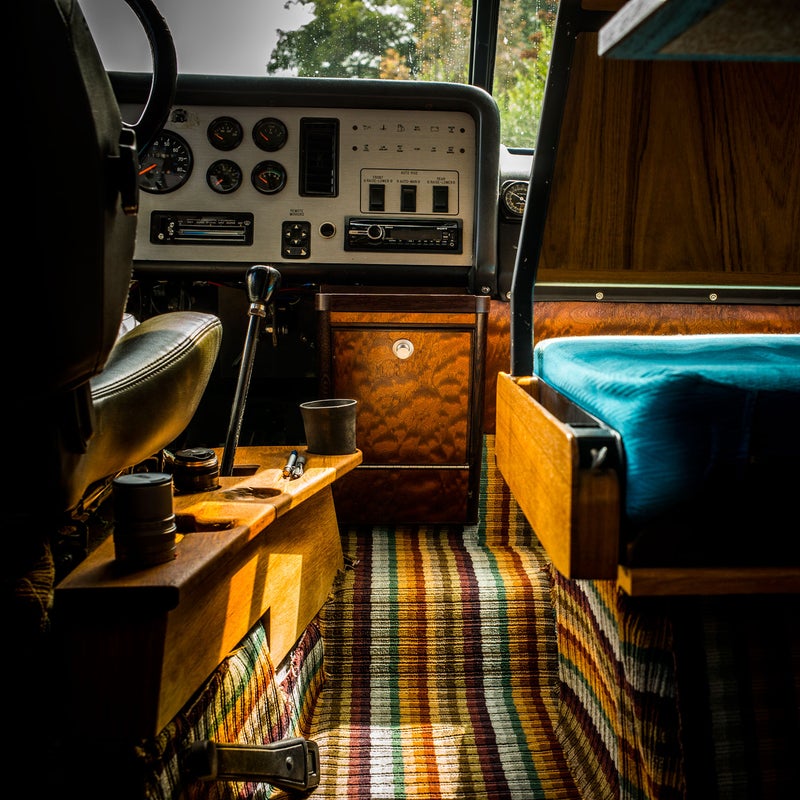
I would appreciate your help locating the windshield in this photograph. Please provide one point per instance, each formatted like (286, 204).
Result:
(403, 40)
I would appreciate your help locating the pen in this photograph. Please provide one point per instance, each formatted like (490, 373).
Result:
(287, 470)
(299, 467)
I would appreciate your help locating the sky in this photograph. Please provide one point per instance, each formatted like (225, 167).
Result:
(221, 37)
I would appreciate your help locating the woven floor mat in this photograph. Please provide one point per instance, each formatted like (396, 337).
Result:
(440, 662)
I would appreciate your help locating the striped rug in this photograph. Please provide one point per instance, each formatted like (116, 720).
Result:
(440, 661)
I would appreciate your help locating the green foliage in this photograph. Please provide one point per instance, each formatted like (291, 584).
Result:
(426, 40)
(442, 34)
(519, 88)
(346, 38)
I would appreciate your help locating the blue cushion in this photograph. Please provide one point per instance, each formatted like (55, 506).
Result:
(692, 411)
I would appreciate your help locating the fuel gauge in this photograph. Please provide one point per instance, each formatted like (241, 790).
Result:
(224, 176)
(270, 134)
(268, 177)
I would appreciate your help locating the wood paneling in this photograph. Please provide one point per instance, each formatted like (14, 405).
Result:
(568, 318)
(410, 411)
(574, 512)
(675, 167)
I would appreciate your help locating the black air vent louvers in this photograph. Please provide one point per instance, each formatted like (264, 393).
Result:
(319, 157)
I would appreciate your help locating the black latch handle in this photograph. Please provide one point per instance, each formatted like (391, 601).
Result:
(291, 764)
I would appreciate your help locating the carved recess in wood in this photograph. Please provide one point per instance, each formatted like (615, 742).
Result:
(396, 497)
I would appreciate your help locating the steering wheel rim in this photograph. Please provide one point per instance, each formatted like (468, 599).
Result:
(165, 73)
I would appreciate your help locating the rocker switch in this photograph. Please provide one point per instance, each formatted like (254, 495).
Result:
(408, 198)
(440, 200)
(377, 193)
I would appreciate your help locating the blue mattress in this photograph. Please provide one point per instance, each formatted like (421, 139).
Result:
(707, 420)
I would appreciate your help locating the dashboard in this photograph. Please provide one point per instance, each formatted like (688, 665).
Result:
(326, 179)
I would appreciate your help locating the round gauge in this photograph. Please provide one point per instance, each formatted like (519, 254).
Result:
(224, 176)
(270, 134)
(166, 165)
(225, 133)
(513, 194)
(268, 177)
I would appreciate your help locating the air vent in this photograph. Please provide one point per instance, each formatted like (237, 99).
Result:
(319, 157)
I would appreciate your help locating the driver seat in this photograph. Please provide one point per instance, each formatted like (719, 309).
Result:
(86, 403)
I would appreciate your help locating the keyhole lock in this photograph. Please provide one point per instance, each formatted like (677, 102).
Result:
(403, 348)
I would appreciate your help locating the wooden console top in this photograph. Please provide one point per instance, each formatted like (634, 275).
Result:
(225, 519)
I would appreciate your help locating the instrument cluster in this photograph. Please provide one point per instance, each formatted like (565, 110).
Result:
(327, 179)
(168, 162)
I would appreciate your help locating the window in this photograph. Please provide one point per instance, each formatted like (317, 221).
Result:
(389, 40)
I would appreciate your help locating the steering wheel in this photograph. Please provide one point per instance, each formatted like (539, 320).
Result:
(165, 74)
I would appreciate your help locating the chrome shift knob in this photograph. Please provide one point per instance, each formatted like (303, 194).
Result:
(261, 281)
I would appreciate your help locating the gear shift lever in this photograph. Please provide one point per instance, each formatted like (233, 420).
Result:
(261, 283)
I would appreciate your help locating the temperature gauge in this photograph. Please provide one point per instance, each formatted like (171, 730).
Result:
(268, 177)
(224, 176)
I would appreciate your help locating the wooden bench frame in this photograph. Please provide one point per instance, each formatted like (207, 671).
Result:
(575, 510)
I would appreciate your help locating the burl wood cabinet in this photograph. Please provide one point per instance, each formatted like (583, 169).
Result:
(415, 363)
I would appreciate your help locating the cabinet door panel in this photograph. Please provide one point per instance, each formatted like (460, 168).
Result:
(413, 410)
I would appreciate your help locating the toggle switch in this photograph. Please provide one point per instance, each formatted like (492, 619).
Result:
(408, 197)
(377, 194)
(441, 202)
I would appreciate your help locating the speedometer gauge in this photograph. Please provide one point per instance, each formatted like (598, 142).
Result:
(166, 165)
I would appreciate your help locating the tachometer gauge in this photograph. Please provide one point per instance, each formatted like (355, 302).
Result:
(270, 134)
(166, 165)
(224, 176)
(513, 195)
(225, 133)
(268, 177)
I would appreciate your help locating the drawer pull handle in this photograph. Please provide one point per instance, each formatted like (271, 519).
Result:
(403, 348)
